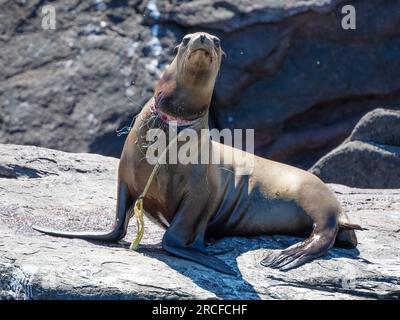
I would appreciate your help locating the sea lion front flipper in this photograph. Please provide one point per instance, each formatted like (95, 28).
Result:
(219, 252)
(193, 254)
(118, 231)
(185, 237)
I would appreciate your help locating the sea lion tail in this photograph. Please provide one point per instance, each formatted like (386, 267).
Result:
(346, 237)
(350, 226)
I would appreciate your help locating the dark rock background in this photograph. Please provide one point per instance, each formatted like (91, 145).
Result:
(370, 157)
(292, 72)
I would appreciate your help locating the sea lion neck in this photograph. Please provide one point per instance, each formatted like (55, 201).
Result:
(180, 99)
(172, 121)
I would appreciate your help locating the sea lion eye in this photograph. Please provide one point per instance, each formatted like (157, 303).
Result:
(217, 42)
(185, 40)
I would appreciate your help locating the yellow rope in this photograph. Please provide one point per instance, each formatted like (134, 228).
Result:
(138, 208)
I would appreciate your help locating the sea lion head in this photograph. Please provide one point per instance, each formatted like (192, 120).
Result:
(198, 59)
(185, 88)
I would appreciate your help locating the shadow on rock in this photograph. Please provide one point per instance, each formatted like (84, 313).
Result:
(229, 250)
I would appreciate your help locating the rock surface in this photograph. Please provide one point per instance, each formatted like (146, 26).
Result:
(292, 72)
(370, 157)
(77, 191)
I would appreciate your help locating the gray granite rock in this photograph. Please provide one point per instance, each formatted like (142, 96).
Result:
(78, 192)
(379, 126)
(370, 157)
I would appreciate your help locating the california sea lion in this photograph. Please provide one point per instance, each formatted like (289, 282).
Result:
(196, 202)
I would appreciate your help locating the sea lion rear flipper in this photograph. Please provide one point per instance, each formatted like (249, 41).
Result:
(117, 232)
(317, 245)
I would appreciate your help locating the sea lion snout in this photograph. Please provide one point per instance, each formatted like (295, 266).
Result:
(201, 52)
(202, 41)
(200, 58)
(201, 48)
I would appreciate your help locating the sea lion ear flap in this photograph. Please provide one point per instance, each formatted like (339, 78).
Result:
(223, 54)
(176, 49)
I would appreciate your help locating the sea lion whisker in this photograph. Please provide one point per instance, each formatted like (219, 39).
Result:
(134, 102)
